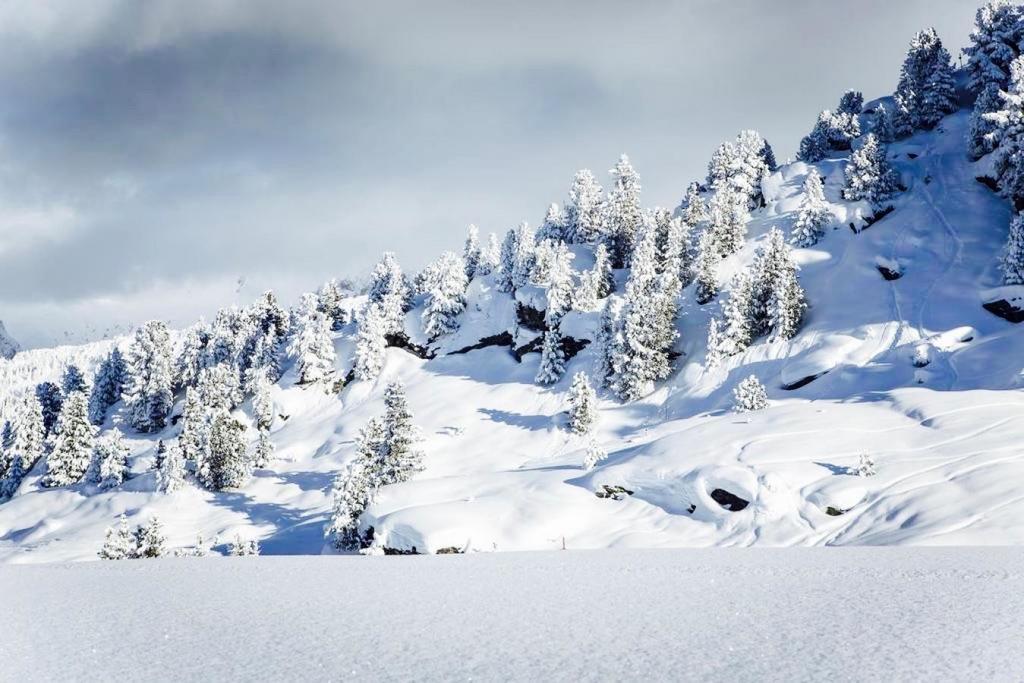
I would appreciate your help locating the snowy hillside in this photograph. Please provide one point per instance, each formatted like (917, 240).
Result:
(8, 345)
(893, 399)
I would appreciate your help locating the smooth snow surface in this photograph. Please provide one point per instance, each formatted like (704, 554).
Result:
(852, 614)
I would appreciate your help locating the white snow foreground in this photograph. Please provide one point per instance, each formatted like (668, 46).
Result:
(911, 374)
(736, 614)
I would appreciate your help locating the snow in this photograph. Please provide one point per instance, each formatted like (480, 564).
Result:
(8, 345)
(727, 614)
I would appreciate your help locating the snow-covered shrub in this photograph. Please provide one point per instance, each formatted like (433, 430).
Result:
(594, 455)
(866, 466)
(868, 175)
(582, 404)
(749, 395)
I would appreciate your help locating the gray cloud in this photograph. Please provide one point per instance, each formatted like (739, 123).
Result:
(186, 144)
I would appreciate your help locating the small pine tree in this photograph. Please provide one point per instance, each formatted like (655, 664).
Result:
(170, 477)
(786, 306)
(107, 386)
(594, 455)
(27, 447)
(693, 209)
(885, 129)
(623, 211)
(505, 279)
(738, 312)
(552, 358)
(553, 225)
(371, 343)
(312, 346)
(902, 118)
(148, 394)
(868, 175)
(262, 402)
(728, 221)
(584, 214)
(471, 253)
(749, 395)
(706, 277)
(72, 447)
(582, 404)
(354, 490)
(264, 449)
(119, 543)
(981, 136)
(815, 145)
(560, 284)
(150, 540)
(814, 213)
(72, 380)
(524, 258)
(109, 466)
(446, 297)
(715, 342)
(866, 466)
(1012, 261)
(400, 459)
(389, 287)
(243, 548)
(939, 95)
(1008, 136)
(228, 464)
(329, 298)
(490, 256)
(50, 401)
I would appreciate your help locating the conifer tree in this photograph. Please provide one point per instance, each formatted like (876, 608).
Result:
(584, 214)
(611, 343)
(694, 210)
(148, 395)
(786, 306)
(107, 386)
(262, 402)
(72, 447)
(329, 298)
(471, 252)
(120, 542)
(490, 256)
(714, 344)
(371, 343)
(552, 358)
(27, 448)
(524, 257)
(399, 458)
(851, 102)
(582, 404)
(553, 225)
(603, 274)
(264, 449)
(109, 465)
(737, 310)
(902, 119)
(727, 220)
(390, 289)
(505, 278)
(749, 395)
(814, 213)
(594, 455)
(866, 466)
(981, 136)
(312, 346)
(446, 298)
(72, 380)
(50, 401)
(228, 464)
(706, 269)
(1012, 261)
(676, 254)
(195, 431)
(219, 387)
(150, 539)
(995, 42)
(623, 211)
(1008, 136)
(925, 85)
(884, 129)
(193, 356)
(815, 145)
(354, 490)
(170, 476)
(560, 284)
(242, 548)
(868, 175)
(939, 95)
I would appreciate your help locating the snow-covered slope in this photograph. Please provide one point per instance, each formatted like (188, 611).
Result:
(502, 472)
(8, 345)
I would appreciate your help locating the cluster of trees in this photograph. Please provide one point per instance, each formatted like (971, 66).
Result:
(833, 130)
(765, 299)
(386, 454)
(124, 543)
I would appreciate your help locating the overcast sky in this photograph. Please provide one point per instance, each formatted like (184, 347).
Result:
(160, 159)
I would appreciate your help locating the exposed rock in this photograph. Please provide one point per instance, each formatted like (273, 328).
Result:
(613, 492)
(1005, 310)
(729, 501)
(570, 347)
(400, 340)
(889, 274)
(990, 183)
(503, 339)
(531, 318)
(802, 382)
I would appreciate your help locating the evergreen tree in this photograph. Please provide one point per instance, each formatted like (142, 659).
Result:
(786, 306)
(594, 455)
(242, 548)
(228, 464)
(754, 160)
(749, 395)
(939, 95)
(72, 447)
(524, 258)
(490, 256)
(27, 448)
(925, 86)
(170, 476)
(194, 439)
(995, 42)
(311, 345)
(50, 401)
(676, 254)
(119, 543)
(262, 402)
(814, 213)
(868, 175)
(582, 404)
(505, 279)
(902, 119)
(390, 289)
(851, 102)
(885, 129)
(560, 284)
(471, 253)
(329, 298)
(264, 449)
(225, 344)
(1012, 262)
(73, 380)
(552, 358)
(148, 395)
(737, 310)
(694, 210)
(715, 343)
(723, 164)
(815, 145)
(370, 343)
(193, 356)
(1008, 136)
(728, 220)
(109, 466)
(981, 136)
(612, 357)
(603, 275)
(107, 386)
(150, 539)
(866, 466)
(706, 269)
(446, 299)
(399, 459)
(584, 214)
(354, 490)
(219, 387)
(161, 452)
(623, 211)
(553, 225)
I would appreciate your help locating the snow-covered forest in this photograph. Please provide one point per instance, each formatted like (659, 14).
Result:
(816, 351)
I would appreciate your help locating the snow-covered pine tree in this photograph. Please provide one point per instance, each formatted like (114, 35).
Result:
(400, 459)
(623, 214)
(582, 404)
(786, 306)
(225, 345)
(329, 298)
(72, 447)
(676, 254)
(120, 542)
(585, 298)
(161, 452)
(594, 455)
(148, 394)
(471, 252)
(772, 259)
(737, 310)
(27, 449)
(1012, 261)
(815, 145)
(560, 283)
(390, 288)
(749, 395)
(446, 298)
(150, 540)
(884, 128)
(219, 387)
(311, 345)
(851, 102)
(263, 450)
(195, 430)
(723, 164)
(981, 138)
(995, 42)
(242, 548)
(228, 464)
(693, 209)
(262, 402)
(193, 356)
(354, 490)
(865, 466)
(902, 118)
(868, 175)
(727, 220)
(611, 359)
(170, 476)
(552, 358)
(72, 380)
(939, 96)
(6, 442)
(490, 256)
(50, 401)
(584, 214)
(109, 466)
(505, 271)
(553, 225)
(524, 257)
(925, 80)
(1008, 157)
(603, 274)
(754, 160)
(714, 353)
(107, 386)
(371, 343)
(706, 269)
(814, 215)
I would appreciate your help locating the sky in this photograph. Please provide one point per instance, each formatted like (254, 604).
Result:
(166, 158)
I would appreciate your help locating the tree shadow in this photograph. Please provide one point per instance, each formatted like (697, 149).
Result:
(528, 422)
(837, 470)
